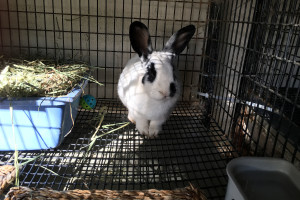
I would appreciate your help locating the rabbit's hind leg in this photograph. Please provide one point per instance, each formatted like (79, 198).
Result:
(131, 118)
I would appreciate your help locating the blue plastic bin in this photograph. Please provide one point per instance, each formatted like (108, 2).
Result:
(39, 122)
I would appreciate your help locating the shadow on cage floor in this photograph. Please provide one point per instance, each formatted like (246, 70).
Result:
(185, 152)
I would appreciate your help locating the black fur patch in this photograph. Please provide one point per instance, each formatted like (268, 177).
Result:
(151, 73)
(172, 89)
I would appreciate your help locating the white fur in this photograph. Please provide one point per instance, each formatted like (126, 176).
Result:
(149, 105)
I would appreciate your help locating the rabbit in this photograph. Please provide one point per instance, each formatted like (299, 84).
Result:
(148, 86)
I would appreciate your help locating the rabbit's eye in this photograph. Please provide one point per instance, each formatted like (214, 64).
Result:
(150, 74)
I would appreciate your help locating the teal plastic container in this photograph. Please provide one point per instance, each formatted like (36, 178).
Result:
(39, 122)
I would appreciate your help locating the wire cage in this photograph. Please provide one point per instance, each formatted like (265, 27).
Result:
(240, 76)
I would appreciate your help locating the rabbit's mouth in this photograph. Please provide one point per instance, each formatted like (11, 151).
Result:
(160, 95)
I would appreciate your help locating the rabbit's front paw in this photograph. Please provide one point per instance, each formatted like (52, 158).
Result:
(154, 129)
(143, 127)
(153, 132)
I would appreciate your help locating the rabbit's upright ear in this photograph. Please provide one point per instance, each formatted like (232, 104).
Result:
(140, 39)
(179, 40)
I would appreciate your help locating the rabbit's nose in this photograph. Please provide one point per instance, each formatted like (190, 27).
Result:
(163, 93)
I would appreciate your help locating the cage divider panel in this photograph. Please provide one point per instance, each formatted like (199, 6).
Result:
(252, 58)
(210, 63)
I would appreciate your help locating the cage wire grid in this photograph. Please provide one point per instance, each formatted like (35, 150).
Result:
(184, 154)
(240, 76)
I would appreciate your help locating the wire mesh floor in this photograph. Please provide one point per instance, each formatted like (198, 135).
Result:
(185, 152)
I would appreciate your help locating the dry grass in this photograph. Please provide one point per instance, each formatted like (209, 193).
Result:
(39, 78)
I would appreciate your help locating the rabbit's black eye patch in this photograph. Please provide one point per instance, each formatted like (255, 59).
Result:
(150, 74)
(172, 89)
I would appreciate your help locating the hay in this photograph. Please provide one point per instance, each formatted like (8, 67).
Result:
(39, 78)
(7, 176)
(47, 193)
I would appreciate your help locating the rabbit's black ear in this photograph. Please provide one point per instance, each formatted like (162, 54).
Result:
(140, 39)
(179, 40)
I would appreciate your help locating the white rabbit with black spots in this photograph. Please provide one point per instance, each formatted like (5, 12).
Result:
(148, 86)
